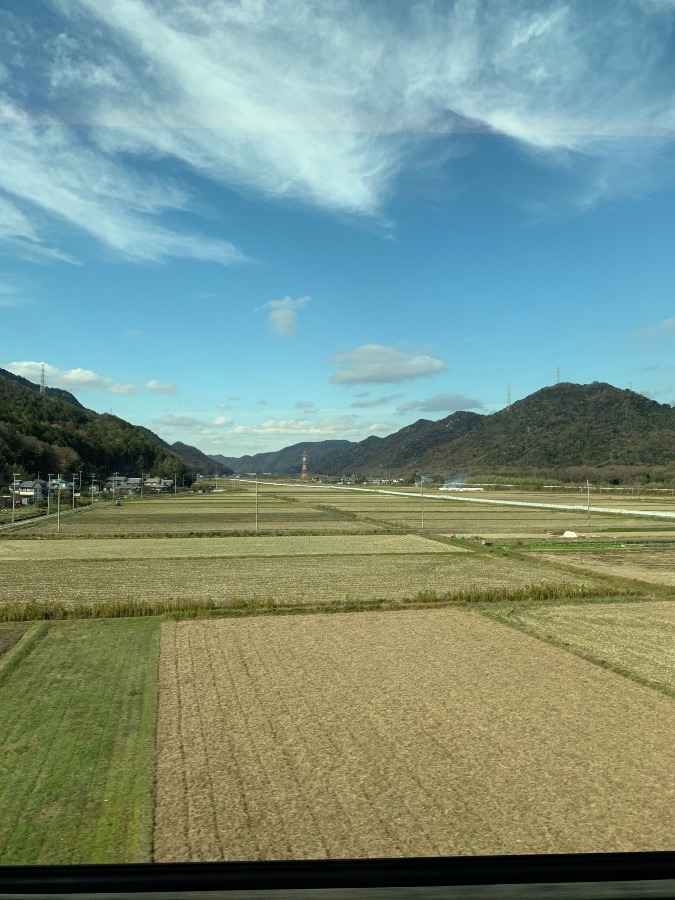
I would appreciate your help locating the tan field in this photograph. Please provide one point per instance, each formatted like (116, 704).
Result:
(638, 637)
(653, 565)
(223, 548)
(401, 734)
(285, 579)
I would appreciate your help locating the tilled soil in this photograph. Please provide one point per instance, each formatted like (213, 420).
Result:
(9, 637)
(427, 732)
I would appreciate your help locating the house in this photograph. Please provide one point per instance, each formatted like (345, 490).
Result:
(27, 492)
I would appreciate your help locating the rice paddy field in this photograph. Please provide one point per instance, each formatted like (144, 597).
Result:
(490, 697)
(326, 737)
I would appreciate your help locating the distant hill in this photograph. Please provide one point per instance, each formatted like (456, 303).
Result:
(199, 462)
(53, 432)
(566, 431)
(287, 461)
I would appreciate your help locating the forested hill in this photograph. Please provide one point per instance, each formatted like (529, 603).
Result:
(564, 431)
(51, 433)
(289, 460)
(49, 391)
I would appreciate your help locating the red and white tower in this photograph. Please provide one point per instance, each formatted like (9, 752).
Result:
(303, 474)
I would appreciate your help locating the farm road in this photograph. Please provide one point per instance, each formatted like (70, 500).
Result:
(462, 498)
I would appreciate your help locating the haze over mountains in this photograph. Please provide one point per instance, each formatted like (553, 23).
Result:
(566, 431)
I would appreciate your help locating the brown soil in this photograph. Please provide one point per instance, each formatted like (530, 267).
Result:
(434, 732)
(9, 637)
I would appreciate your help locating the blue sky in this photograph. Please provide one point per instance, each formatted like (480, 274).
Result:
(250, 224)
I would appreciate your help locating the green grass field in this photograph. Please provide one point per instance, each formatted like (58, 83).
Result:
(77, 707)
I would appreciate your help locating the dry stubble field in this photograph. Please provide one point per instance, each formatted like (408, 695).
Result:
(433, 731)
(652, 565)
(638, 637)
(410, 733)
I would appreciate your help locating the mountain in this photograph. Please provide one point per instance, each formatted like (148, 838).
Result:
(289, 460)
(566, 431)
(53, 432)
(200, 462)
(49, 391)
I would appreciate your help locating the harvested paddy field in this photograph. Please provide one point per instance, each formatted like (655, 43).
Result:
(188, 514)
(651, 564)
(222, 548)
(638, 638)
(77, 706)
(448, 513)
(423, 732)
(289, 579)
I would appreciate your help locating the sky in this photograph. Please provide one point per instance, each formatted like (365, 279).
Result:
(246, 225)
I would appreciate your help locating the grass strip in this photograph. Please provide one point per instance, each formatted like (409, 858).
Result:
(511, 616)
(77, 703)
(134, 608)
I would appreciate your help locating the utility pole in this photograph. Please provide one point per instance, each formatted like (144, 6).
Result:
(92, 490)
(49, 481)
(175, 483)
(422, 500)
(73, 490)
(256, 501)
(58, 505)
(14, 476)
(115, 474)
(588, 500)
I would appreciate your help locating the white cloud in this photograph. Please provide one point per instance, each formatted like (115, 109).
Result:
(374, 363)
(666, 328)
(179, 423)
(160, 387)
(53, 177)
(283, 314)
(220, 422)
(344, 426)
(448, 403)
(69, 379)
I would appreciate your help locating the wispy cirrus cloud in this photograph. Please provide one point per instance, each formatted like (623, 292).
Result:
(69, 379)
(50, 177)
(10, 295)
(325, 104)
(447, 403)
(665, 328)
(375, 363)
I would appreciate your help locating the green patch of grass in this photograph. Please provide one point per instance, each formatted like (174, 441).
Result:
(559, 546)
(77, 706)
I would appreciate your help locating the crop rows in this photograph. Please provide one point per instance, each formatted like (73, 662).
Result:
(401, 734)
